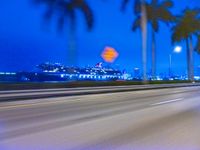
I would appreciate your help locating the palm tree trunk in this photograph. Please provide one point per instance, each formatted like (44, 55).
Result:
(144, 40)
(153, 71)
(190, 59)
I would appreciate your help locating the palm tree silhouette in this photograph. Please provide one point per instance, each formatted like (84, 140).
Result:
(187, 28)
(65, 12)
(139, 6)
(197, 48)
(156, 12)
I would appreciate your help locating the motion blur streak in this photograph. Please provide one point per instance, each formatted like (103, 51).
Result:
(118, 121)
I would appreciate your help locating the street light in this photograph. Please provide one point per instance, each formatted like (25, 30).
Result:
(177, 49)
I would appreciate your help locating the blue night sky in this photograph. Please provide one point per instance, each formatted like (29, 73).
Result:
(26, 41)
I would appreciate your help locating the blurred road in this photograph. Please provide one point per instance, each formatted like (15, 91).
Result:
(158, 119)
(15, 95)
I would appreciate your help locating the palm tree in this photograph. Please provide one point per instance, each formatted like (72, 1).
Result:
(65, 12)
(139, 6)
(156, 12)
(197, 48)
(187, 28)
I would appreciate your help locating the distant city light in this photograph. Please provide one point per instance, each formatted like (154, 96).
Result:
(177, 49)
(7, 73)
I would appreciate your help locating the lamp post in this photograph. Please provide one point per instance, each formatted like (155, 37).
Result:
(176, 50)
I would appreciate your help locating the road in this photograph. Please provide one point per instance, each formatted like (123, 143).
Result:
(158, 119)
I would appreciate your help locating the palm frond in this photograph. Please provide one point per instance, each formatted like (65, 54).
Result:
(48, 14)
(167, 4)
(136, 23)
(155, 25)
(65, 10)
(137, 6)
(158, 12)
(60, 23)
(186, 25)
(88, 14)
(46, 2)
(124, 4)
(197, 48)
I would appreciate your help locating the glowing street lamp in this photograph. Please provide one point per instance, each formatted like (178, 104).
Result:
(177, 49)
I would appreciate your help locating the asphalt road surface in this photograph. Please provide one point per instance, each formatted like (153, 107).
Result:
(159, 119)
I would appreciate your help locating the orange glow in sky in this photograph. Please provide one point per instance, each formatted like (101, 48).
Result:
(109, 54)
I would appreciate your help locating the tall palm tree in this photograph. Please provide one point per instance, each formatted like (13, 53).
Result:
(139, 6)
(197, 48)
(156, 12)
(65, 12)
(187, 28)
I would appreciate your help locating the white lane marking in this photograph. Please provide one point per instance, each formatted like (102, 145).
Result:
(166, 102)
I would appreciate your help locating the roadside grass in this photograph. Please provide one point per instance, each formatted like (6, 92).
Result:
(73, 84)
